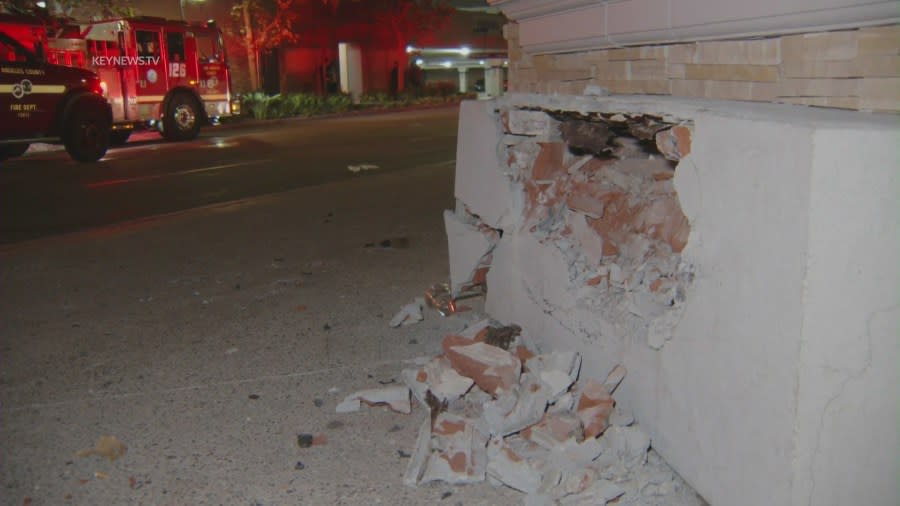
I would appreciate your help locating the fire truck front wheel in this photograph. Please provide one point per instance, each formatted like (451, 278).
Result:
(86, 129)
(182, 119)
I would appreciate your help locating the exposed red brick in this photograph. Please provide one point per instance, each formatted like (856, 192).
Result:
(422, 376)
(523, 353)
(664, 220)
(504, 120)
(674, 143)
(451, 340)
(591, 197)
(482, 335)
(446, 427)
(540, 197)
(595, 165)
(511, 455)
(549, 162)
(663, 176)
(459, 462)
(492, 368)
(559, 427)
(656, 284)
(596, 280)
(594, 407)
(480, 276)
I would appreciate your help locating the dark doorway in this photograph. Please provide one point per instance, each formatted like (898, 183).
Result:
(271, 77)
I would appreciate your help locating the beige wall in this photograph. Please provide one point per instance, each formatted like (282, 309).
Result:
(851, 69)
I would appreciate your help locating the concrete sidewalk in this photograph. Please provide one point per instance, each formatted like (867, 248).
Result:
(207, 340)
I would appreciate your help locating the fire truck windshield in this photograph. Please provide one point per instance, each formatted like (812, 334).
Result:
(208, 47)
(12, 51)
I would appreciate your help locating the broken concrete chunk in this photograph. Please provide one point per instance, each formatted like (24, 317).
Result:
(621, 417)
(441, 378)
(614, 378)
(554, 429)
(397, 398)
(348, 405)
(570, 456)
(625, 446)
(590, 241)
(420, 455)
(594, 407)
(532, 123)
(460, 456)
(558, 370)
(409, 314)
(492, 368)
(531, 403)
(578, 482)
(469, 246)
(511, 469)
(418, 387)
(564, 404)
(474, 330)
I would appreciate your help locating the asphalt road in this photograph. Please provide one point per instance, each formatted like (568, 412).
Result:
(47, 193)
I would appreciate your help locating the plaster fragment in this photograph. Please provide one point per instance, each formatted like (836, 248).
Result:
(460, 456)
(396, 398)
(558, 370)
(594, 407)
(420, 455)
(511, 469)
(409, 314)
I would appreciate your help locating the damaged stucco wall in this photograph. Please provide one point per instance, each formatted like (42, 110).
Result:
(771, 377)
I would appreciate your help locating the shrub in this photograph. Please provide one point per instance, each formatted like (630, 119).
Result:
(258, 105)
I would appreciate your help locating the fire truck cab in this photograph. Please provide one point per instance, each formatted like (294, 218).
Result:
(168, 75)
(42, 102)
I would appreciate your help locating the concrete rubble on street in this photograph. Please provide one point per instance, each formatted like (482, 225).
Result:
(502, 414)
(409, 314)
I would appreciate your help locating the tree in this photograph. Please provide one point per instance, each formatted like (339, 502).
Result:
(264, 24)
(410, 20)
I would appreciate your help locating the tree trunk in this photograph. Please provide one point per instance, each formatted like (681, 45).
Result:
(252, 56)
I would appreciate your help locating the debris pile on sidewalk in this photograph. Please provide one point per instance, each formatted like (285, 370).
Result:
(437, 297)
(500, 413)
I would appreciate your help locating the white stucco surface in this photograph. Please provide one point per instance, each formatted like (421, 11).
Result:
(728, 377)
(479, 181)
(847, 452)
(469, 246)
(780, 382)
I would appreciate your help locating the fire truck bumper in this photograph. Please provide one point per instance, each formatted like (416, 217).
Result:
(216, 109)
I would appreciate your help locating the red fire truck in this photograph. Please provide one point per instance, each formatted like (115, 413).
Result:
(42, 102)
(168, 75)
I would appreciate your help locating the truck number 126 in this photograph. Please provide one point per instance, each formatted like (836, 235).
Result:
(177, 69)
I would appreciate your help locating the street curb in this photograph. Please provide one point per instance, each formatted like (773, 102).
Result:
(235, 123)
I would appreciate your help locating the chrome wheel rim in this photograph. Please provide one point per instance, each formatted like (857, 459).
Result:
(184, 117)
